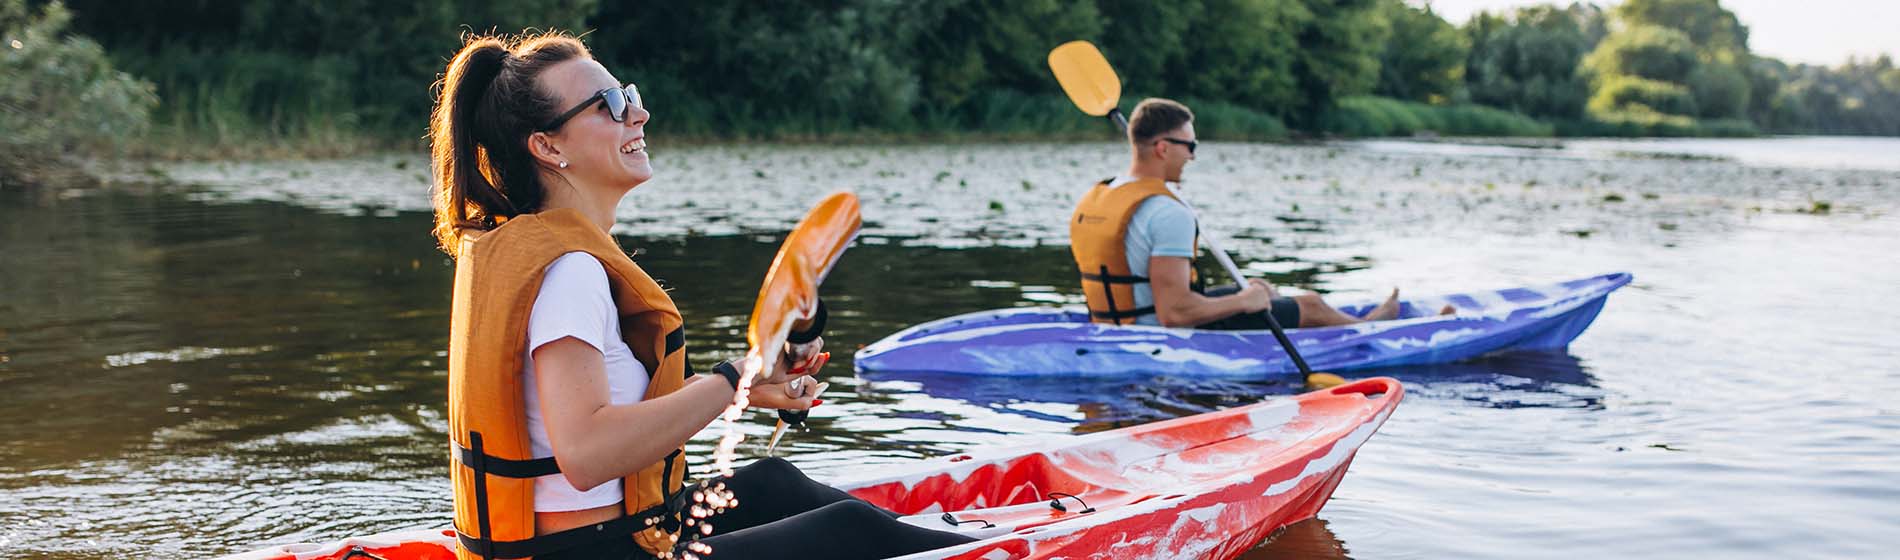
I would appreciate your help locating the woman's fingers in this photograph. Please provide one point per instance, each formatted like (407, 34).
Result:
(799, 354)
(811, 366)
(781, 396)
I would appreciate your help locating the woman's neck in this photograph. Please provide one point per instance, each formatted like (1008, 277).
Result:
(596, 204)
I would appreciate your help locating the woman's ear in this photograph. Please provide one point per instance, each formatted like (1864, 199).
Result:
(541, 146)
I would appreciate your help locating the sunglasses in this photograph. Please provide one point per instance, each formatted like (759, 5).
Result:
(618, 101)
(1191, 144)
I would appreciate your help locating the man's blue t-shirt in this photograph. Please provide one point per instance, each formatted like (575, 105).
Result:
(1161, 227)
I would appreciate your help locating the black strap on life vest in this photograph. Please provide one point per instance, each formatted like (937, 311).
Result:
(486, 465)
(1113, 313)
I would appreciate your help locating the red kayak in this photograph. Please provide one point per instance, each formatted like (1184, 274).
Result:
(1206, 486)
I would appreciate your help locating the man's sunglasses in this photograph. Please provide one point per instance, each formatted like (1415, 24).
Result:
(618, 101)
(1191, 144)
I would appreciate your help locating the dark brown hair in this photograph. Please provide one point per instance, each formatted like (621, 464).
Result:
(487, 105)
(1156, 116)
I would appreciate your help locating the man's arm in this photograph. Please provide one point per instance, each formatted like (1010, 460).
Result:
(1177, 305)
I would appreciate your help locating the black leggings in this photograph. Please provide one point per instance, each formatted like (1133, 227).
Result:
(784, 514)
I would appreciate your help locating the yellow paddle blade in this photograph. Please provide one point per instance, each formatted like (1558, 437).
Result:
(1321, 380)
(1086, 76)
(790, 292)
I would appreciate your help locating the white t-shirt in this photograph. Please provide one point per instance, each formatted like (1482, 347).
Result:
(1161, 227)
(575, 301)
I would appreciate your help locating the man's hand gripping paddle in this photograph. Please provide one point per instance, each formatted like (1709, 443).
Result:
(1091, 83)
(788, 301)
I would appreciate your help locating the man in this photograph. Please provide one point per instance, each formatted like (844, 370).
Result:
(1135, 242)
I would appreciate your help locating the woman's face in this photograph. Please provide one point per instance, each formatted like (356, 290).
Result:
(598, 151)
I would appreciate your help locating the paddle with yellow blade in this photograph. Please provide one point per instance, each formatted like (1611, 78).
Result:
(1091, 83)
(788, 304)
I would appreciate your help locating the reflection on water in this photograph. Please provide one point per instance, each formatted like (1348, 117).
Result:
(191, 371)
(1303, 540)
(1510, 380)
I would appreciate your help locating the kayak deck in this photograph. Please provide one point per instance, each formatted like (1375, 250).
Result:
(1205, 486)
(1043, 341)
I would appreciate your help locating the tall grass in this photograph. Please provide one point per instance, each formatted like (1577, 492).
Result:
(266, 104)
(1379, 116)
(1641, 122)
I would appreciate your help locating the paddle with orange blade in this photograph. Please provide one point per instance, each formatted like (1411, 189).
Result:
(1091, 83)
(788, 301)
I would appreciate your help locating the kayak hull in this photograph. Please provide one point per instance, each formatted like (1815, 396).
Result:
(1206, 486)
(1052, 341)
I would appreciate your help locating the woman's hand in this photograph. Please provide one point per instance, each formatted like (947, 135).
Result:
(798, 394)
(798, 360)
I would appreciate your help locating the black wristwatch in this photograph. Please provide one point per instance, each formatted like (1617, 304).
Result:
(729, 372)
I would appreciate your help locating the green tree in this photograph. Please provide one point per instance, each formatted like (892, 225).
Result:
(1424, 56)
(1528, 62)
(1338, 56)
(1242, 52)
(1621, 93)
(1644, 51)
(722, 68)
(1707, 24)
(1721, 90)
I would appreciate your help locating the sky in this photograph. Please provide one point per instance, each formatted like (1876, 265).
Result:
(1821, 32)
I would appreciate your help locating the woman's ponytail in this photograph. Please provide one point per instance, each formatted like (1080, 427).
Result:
(486, 107)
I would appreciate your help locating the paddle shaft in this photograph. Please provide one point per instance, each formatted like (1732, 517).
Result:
(1240, 282)
(1226, 262)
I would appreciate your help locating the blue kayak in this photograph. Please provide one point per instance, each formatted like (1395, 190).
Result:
(1038, 341)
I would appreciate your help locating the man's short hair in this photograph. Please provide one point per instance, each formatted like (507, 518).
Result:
(1156, 116)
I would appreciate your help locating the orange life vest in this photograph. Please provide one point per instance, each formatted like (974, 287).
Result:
(497, 277)
(1096, 237)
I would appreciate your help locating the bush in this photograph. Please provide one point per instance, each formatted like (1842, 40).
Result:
(60, 93)
(1630, 93)
(1378, 116)
(1641, 122)
(1220, 120)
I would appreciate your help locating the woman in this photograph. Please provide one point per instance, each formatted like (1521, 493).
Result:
(570, 400)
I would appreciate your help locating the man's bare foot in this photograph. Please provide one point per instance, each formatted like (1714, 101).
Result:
(1447, 310)
(1385, 311)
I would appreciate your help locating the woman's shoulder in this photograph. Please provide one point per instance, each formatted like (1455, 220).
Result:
(576, 270)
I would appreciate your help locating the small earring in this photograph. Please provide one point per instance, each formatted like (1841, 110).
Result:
(563, 165)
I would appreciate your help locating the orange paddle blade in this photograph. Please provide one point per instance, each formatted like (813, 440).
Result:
(790, 292)
(1086, 76)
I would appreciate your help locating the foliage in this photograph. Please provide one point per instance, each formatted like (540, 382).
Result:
(1705, 23)
(238, 76)
(1721, 90)
(1424, 57)
(1338, 55)
(1860, 97)
(60, 92)
(1378, 116)
(1619, 93)
(1643, 51)
(1527, 63)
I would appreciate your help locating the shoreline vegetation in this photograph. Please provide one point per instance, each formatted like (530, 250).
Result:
(256, 79)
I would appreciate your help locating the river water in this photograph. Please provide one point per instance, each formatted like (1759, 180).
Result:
(207, 358)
